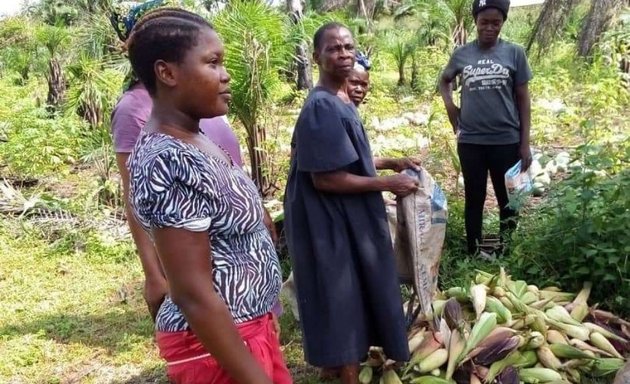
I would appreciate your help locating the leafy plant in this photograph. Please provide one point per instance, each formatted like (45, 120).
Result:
(254, 36)
(581, 232)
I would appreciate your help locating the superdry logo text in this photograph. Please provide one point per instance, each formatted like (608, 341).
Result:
(485, 77)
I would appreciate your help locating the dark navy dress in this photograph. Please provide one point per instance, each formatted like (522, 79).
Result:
(343, 263)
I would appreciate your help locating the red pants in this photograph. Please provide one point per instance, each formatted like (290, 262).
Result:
(188, 362)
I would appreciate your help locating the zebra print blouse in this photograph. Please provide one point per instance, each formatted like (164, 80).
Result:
(174, 184)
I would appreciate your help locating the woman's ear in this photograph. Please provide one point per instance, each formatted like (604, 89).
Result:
(165, 73)
(316, 56)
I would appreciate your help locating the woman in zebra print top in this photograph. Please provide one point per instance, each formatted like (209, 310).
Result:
(203, 213)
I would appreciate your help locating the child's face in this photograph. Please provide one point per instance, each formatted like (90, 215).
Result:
(358, 84)
(336, 55)
(203, 83)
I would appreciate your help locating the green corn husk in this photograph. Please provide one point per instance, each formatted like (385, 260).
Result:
(606, 366)
(539, 325)
(565, 351)
(558, 313)
(391, 377)
(433, 361)
(366, 374)
(536, 339)
(519, 288)
(438, 307)
(504, 316)
(519, 306)
(529, 298)
(516, 359)
(557, 297)
(482, 328)
(538, 375)
(431, 380)
(458, 293)
(455, 349)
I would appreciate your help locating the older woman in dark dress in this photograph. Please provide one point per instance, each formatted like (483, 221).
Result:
(345, 274)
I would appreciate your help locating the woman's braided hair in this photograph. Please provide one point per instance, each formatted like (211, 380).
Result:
(163, 34)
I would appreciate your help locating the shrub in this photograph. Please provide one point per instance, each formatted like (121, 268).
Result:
(581, 231)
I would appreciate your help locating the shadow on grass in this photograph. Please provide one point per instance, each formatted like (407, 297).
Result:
(117, 331)
(149, 376)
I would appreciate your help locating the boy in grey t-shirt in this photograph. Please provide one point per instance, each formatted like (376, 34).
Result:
(493, 122)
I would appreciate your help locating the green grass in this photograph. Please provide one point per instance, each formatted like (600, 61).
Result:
(79, 317)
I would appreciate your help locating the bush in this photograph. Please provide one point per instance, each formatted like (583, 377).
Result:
(581, 231)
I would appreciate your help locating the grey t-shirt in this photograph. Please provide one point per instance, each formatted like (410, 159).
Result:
(489, 114)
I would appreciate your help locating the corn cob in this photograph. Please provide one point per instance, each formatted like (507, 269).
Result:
(605, 367)
(455, 349)
(496, 351)
(552, 289)
(538, 375)
(483, 277)
(574, 375)
(534, 289)
(506, 302)
(508, 376)
(503, 314)
(433, 361)
(415, 341)
(458, 293)
(391, 377)
(482, 328)
(365, 376)
(587, 347)
(438, 307)
(517, 359)
(474, 379)
(575, 331)
(529, 298)
(582, 296)
(558, 313)
(430, 380)
(542, 304)
(539, 325)
(556, 337)
(519, 306)
(557, 297)
(453, 313)
(598, 340)
(565, 351)
(579, 312)
(478, 296)
(435, 372)
(498, 291)
(497, 334)
(547, 358)
(536, 339)
(604, 331)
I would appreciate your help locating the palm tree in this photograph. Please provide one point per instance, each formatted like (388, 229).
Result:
(551, 20)
(401, 47)
(256, 49)
(302, 60)
(93, 89)
(54, 39)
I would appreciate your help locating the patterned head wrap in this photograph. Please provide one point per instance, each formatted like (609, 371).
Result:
(362, 62)
(124, 23)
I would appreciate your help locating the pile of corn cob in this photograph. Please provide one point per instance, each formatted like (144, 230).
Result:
(507, 332)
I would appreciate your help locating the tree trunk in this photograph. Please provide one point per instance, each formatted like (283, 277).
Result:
(401, 74)
(415, 80)
(302, 61)
(56, 85)
(332, 5)
(258, 157)
(553, 17)
(597, 20)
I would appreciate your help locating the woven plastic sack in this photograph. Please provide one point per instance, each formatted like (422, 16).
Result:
(420, 233)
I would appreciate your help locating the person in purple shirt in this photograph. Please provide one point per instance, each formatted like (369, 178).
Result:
(128, 118)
